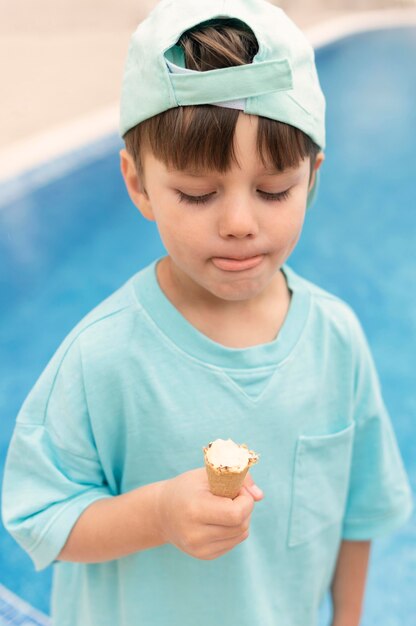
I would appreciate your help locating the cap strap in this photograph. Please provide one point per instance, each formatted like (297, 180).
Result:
(231, 83)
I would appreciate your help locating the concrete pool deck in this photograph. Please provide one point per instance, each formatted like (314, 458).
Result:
(62, 64)
(62, 60)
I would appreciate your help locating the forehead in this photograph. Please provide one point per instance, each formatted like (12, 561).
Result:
(160, 171)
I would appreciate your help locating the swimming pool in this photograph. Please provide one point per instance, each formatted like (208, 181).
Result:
(67, 241)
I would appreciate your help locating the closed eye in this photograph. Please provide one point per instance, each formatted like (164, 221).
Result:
(269, 197)
(272, 197)
(183, 197)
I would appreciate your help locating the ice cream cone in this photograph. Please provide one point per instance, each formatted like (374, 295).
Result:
(227, 480)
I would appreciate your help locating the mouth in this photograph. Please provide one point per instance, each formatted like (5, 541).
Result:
(237, 265)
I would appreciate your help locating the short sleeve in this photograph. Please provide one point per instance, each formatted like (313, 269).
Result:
(53, 471)
(379, 498)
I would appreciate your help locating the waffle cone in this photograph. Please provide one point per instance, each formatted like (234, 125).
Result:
(227, 481)
(226, 484)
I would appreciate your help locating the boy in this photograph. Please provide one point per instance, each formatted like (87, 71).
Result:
(223, 119)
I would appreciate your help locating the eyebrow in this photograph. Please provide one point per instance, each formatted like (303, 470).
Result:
(272, 172)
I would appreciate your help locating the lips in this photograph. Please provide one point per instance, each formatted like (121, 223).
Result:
(237, 265)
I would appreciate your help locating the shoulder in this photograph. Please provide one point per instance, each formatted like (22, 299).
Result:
(329, 316)
(109, 322)
(103, 332)
(94, 346)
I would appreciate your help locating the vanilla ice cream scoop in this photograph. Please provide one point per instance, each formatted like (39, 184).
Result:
(225, 453)
(227, 464)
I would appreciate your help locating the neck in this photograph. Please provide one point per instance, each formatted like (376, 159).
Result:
(234, 324)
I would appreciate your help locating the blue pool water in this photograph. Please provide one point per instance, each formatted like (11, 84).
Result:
(67, 242)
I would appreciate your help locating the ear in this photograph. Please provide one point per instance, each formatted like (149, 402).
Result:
(320, 158)
(135, 185)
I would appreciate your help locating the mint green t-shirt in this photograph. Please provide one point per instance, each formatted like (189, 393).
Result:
(133, 394)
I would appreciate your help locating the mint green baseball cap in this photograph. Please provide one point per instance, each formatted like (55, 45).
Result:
(281, 83)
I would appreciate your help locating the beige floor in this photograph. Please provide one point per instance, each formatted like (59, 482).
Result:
(63, 59)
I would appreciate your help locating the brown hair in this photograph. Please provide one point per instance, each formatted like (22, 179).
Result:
(187, 136)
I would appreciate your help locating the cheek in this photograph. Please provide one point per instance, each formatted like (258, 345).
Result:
(287, 230)
(297, 209)
(291, 222)
(179, 229)
(296, 226)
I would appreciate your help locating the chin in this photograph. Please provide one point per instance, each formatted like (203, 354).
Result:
(237, 293)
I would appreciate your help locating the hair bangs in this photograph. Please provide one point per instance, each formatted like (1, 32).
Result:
(201, 138)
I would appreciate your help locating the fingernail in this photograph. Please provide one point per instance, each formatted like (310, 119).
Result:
(256, 491)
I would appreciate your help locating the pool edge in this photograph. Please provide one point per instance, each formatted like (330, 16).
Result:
(12, 608)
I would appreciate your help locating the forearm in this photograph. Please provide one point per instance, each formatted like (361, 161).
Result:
(348, 584)
(116, 527)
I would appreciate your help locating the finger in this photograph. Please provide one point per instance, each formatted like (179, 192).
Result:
(214, 534)
(252, 488)
(219, 548)
(254, 491)
(243, 504)
(226, 512)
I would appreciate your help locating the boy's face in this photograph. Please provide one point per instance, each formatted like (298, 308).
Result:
(227, 235)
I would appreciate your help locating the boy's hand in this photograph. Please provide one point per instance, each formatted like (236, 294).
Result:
(199, 523)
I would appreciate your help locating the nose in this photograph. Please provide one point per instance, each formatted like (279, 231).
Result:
(238, 220)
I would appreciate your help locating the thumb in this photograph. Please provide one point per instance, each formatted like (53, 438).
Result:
(252, 488)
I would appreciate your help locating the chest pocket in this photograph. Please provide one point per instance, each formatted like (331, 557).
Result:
(320, 483)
